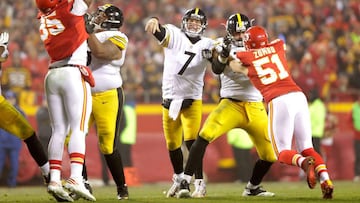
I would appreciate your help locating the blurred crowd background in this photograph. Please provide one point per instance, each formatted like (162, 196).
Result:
(322, 37)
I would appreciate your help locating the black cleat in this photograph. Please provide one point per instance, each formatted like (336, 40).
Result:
(123, 193)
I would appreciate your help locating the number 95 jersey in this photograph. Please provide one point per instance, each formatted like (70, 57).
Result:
(184, 65)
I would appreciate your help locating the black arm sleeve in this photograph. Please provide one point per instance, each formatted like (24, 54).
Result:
(216, 66)
(160, 35)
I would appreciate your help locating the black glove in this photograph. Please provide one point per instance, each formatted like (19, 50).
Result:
(226, 46)
(89, 26)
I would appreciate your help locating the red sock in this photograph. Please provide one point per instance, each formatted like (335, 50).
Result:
(319, 161)
(289, 157)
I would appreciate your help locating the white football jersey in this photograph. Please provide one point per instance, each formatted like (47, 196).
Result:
(237, 85)
(184, 65)
(107, 73)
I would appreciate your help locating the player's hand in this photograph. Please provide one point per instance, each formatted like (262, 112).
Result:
(4, 38)
(207, 53)
(226, 47)
(152, 25)
(89, 25)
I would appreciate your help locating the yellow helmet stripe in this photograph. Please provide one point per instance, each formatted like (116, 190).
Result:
(239, 19)
(196, 11)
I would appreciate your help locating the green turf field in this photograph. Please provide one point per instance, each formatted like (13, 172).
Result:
(289, 192)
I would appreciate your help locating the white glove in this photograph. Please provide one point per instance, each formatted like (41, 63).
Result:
(4, 39)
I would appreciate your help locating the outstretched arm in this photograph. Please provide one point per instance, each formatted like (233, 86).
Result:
(154, 27)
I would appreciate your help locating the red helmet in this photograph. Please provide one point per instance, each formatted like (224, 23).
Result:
(255, 37)
(45, 6)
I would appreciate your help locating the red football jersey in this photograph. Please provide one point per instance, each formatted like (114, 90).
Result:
(268, 70)
(62, 32)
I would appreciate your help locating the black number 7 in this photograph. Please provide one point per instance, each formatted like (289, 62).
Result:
(191, 56)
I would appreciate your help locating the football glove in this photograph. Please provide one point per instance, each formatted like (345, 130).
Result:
(89, 25)
(4, 39)
(226, 46)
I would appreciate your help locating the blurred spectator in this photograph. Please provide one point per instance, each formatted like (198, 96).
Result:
(241, 145)
(16, 77)
(331, 127)
(127, 140)
(10, 147)
(356, 125)
(317, 110)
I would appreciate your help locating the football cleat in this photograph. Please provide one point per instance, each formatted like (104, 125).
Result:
(200, 189)
(327, 189)
(79, 189)
(58, 192)
(258, 191)
(184, 190)
(123, 193)
(175, 186)
(308, 165)
(87, 186)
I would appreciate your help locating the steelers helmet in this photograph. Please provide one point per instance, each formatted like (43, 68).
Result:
(197, 14)
(108, 17)
(237, 23)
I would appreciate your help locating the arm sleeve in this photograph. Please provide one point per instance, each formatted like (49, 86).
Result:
(160, 35)
(216, 66)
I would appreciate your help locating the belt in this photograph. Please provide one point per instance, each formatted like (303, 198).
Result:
(65, 65)
(235, 100)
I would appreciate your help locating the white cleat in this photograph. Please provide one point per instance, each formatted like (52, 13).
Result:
(57, 191)
(200, 189)
(79, 189)
(259, 191)
(175, 186)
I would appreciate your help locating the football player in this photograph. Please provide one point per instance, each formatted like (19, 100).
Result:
(185, 63)
(108, 48)
(15, 123)
(265, 64)
(241, 106)
(67, 88)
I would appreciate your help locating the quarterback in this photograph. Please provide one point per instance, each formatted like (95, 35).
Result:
(185, 63)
